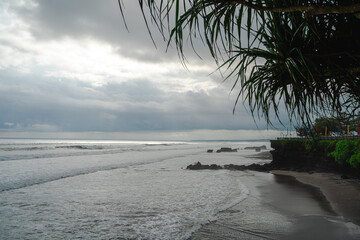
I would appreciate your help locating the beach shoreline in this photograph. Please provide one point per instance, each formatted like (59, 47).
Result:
(343, 194)
(305, 206)
(318, 203)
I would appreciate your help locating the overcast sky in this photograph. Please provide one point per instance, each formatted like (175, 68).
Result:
(70, 68)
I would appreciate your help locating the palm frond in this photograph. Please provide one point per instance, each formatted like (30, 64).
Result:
(278, 52)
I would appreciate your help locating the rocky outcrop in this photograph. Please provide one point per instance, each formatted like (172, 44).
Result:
(225, 149)
(253, 167)
(199, 166)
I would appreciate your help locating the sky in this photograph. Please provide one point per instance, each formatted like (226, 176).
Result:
(70, 69)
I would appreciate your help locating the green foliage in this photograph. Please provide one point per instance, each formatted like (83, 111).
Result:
(347, 152)
(342, 153)
(329, 146)
(355, 160)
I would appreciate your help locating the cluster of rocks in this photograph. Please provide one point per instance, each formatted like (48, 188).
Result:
(224, 149)
(199, 166)
(258, 167)
(253, 167)
(227, 149)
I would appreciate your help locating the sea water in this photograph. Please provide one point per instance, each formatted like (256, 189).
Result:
(64, 189)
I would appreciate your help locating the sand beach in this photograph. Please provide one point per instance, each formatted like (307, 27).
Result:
(343, 194)
(317, 205)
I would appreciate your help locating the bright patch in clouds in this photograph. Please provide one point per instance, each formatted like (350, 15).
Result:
(8, 124)
(91, 61)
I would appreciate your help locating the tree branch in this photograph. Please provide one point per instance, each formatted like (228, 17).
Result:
(310, 10)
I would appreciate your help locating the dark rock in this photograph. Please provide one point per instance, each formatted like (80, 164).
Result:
(199, 166)
(195, 166)
(252, 167)
(225, 149)
(214, 167)
(210, 150)
(344, 177)
(235, 167)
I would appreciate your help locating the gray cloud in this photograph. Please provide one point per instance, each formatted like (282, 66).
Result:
(134, 91)
(98, 20)
(130, 106)
(36, 102)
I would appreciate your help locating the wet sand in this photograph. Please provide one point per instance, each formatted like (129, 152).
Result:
(343, 194)
(281, 207)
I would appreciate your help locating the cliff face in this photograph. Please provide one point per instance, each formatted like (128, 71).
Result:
(317, 155)
(303, 154)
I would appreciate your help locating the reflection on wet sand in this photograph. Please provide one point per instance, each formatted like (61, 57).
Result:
(278, 207)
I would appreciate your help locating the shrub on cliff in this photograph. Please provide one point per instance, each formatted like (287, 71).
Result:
(347, 152)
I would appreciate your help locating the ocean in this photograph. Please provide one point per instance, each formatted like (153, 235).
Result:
(60, 189)
(67, 189)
